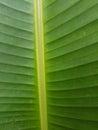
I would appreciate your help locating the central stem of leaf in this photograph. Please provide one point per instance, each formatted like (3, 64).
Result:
(40, 62)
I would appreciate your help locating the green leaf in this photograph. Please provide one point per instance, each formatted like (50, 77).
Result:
(71, 41)
(19, 107)
(49, 65)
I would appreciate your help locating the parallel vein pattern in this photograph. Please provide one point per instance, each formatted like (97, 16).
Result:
(18, 93)
(71, 49)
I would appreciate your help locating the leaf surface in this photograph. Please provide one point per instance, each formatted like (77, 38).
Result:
(49, 65)
(71, 41)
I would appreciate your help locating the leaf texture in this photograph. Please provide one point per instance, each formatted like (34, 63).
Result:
(70, 42)
(71, 49)
(18, 88)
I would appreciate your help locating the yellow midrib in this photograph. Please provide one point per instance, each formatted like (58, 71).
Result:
(38, 14)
